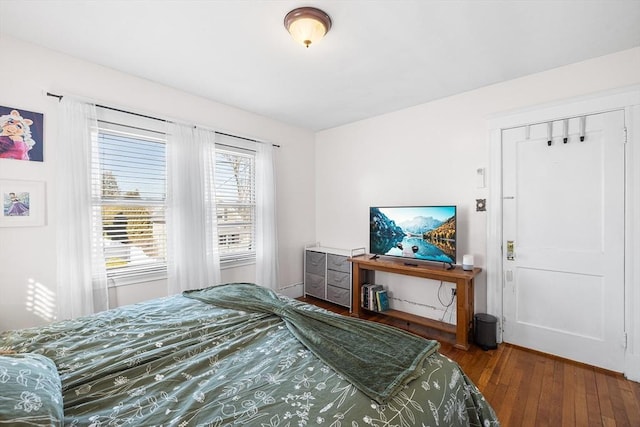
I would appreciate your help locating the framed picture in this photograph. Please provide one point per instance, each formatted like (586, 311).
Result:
(23, 203)
(21, 134)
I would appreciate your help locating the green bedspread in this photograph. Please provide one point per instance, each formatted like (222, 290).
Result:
(376, 358)
(180, 361)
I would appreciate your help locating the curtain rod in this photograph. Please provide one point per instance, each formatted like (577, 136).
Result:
(159, 119)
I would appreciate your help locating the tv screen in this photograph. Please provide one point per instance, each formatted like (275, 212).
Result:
(418, 232)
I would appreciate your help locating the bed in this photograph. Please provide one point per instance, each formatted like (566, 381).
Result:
(235, 354)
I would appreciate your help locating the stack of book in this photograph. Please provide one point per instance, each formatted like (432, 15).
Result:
(374, 297)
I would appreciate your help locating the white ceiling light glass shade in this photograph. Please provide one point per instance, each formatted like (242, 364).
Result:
(307, 25)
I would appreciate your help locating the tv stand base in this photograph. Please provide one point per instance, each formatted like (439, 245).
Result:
(459, 335)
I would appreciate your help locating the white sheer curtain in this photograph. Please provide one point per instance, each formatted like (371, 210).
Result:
(81, 272)
(266, 227)
(192, 244)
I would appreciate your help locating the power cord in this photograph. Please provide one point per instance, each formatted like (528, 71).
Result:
(453, 295)
(449, 304)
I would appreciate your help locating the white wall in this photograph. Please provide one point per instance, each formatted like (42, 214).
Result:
(28, 255)
(429, 154)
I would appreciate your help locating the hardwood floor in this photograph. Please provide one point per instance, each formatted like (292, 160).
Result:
(528, 388)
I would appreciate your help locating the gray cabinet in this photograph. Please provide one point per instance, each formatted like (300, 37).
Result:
(327, 273)
(315, 264)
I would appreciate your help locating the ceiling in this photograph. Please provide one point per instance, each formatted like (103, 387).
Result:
(380, 55)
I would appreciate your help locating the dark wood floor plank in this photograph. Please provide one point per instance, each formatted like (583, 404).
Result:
(594, 415)
(544, 405)
(521, 378)
(615, 393)
(511, 408)
(604, 398)
(557, 392)
(580, 398)
(529, 388)
(531, 409)
(498, 394)
(509, 412)
(630, 393)
(489, 370)
(568, 396)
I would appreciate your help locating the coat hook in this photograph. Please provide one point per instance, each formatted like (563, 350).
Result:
(583, 125)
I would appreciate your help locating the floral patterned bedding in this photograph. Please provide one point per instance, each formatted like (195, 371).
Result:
(179, 361)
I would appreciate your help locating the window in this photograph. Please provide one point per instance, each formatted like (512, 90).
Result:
(130, 170)
(235, 203)
(132, 198)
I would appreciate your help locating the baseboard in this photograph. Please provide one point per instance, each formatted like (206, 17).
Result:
(292, 291)
(632, 367)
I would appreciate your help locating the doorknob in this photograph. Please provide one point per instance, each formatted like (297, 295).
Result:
(510, 256)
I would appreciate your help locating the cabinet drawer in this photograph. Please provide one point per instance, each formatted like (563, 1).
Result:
(338, 263)
(315, 262)
(339, 279)
(339, 295)
(314, 285)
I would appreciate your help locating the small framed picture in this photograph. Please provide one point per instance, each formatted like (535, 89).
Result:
(23, 203)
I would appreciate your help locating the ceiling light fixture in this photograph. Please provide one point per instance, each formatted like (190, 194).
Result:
(307, 24)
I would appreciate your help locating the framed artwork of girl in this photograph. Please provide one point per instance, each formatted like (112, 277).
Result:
(22, 203)
(16, 205)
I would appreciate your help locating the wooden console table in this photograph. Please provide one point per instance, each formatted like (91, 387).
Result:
(363, 272)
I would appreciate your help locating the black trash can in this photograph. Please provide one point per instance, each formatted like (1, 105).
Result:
(484, 328)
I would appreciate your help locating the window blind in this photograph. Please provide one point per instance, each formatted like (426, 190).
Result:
(131, 168)
(235, 203)
(129, 176)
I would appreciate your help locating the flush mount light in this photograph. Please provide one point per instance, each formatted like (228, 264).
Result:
(307, 24)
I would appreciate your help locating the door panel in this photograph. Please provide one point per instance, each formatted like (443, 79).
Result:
(563, 312)
(563, 207)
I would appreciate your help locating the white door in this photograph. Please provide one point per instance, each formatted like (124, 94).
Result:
(563, 211)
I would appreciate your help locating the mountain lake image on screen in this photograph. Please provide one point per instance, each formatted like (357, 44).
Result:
(418, 232)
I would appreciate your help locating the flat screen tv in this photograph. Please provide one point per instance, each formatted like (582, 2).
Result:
(415, 232)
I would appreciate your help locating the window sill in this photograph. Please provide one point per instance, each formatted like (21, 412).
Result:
(153, 276)
(233, 263)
